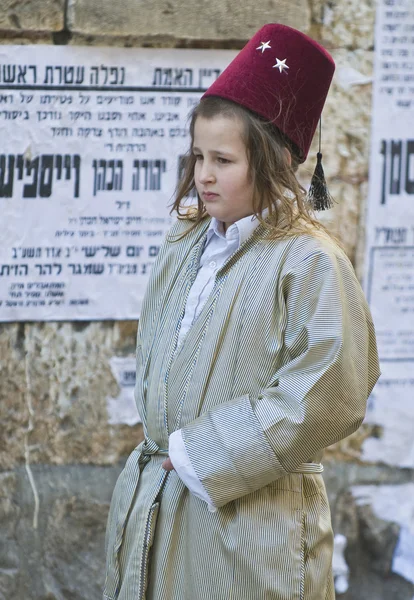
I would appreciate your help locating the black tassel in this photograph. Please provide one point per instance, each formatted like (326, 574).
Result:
(318, 194)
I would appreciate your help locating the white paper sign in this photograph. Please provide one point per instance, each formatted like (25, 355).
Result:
(122, 409)
(90, 147)
(390, 233)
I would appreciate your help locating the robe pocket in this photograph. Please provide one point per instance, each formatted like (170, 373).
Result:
(270, 545)
(291, 482)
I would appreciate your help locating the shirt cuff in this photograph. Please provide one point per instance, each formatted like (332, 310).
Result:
(185, 470)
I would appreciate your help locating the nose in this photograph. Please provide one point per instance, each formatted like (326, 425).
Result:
(206, 172)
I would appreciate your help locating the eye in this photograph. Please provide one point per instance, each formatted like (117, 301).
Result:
(198, 156)
(222, 161)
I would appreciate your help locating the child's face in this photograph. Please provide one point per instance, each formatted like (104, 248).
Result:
(221, 171)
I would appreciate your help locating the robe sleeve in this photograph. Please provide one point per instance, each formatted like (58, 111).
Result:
(317, 397)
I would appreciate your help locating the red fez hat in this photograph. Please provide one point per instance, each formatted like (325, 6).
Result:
(282, 75)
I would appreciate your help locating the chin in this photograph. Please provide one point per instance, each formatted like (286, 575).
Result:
(217, 214)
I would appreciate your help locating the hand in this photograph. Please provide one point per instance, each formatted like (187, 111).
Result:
(167, 464)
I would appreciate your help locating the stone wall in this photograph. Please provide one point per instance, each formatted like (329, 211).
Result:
(59, 457)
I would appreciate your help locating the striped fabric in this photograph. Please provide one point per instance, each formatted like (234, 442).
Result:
(277, 366)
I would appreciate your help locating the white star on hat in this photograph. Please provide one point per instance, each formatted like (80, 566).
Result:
(281, 65)
(264, 46)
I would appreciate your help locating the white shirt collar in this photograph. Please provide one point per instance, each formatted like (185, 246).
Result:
(240, 230)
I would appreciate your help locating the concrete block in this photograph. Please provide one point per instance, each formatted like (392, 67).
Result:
(32, 15)
(345, 24)
(69, 380)
(184, 19)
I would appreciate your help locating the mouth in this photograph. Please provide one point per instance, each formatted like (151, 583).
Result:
(209, 196)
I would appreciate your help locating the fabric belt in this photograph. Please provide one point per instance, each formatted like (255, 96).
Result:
(150, 448)
(308, 468)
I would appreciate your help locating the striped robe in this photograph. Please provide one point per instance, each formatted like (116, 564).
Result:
(278, 365)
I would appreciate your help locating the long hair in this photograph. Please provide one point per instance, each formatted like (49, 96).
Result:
(271, 171)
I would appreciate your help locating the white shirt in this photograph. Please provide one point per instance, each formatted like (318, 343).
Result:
(219, 246)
